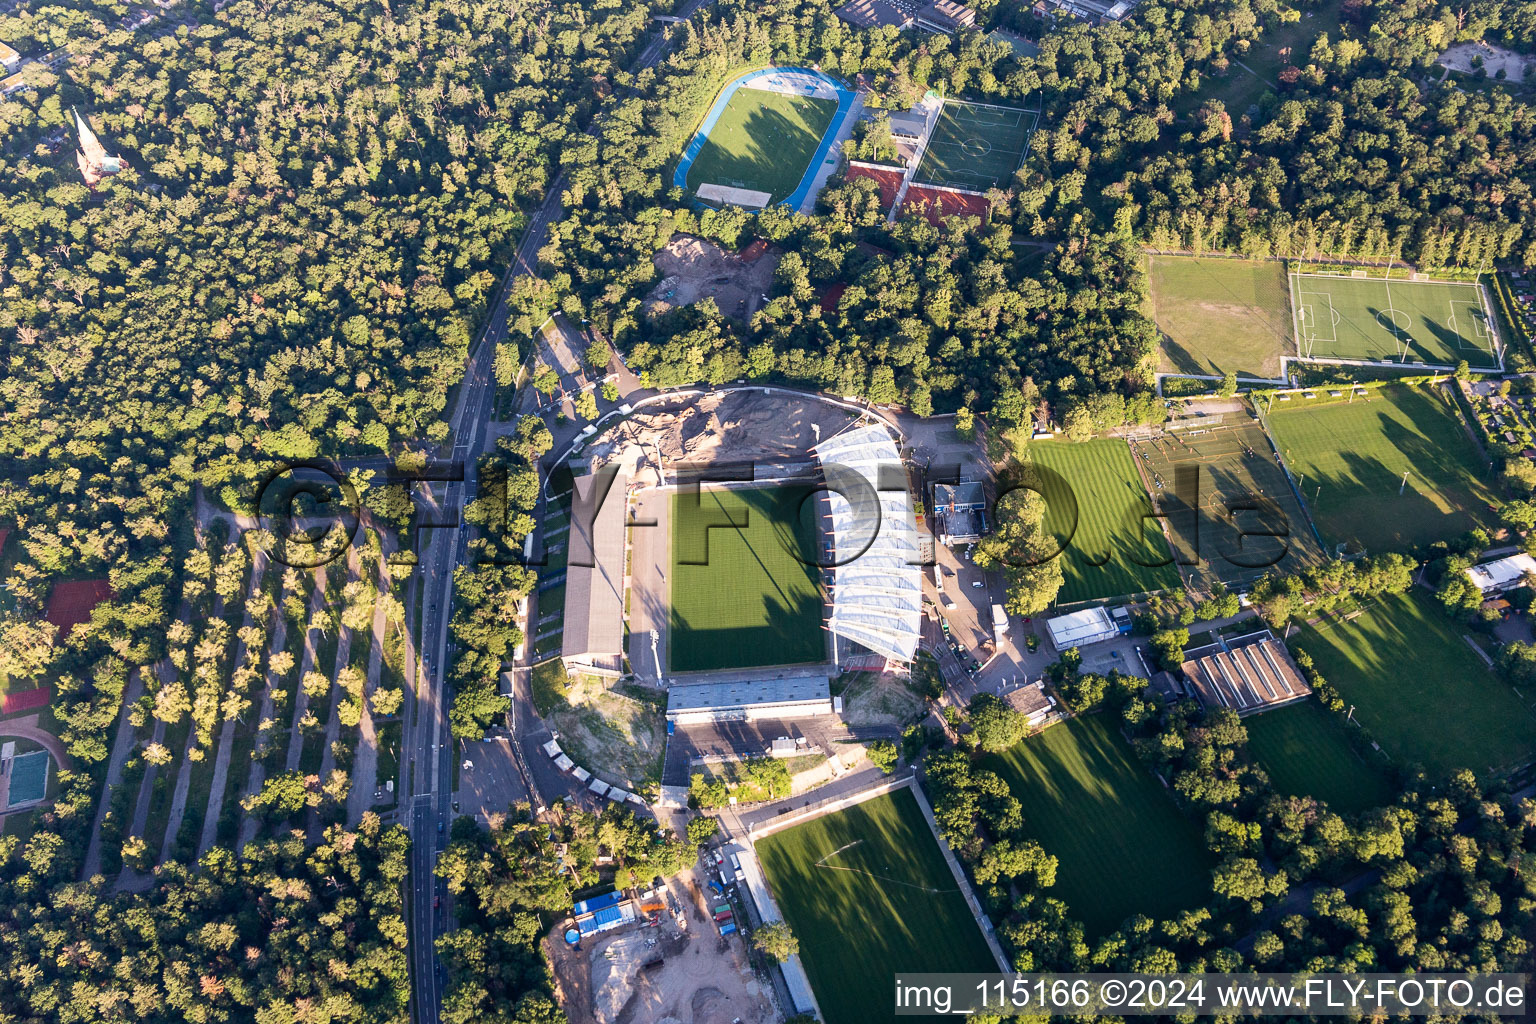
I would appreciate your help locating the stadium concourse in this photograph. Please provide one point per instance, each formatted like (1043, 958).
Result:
(877, 590)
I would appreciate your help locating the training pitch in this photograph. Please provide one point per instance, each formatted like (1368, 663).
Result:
(976, 146)
(1349, 457)
(744, 591)
(1220, 315)
(1231, 513)
(1122, 844)
(1097, 511)
(1421, 690)
(1306, 752)
(763, 141)
(867, 893)
(1439, 323)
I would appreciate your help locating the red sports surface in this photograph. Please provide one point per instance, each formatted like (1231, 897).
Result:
(937, 203)
(71, 602)
(887, 178)
(26, 700)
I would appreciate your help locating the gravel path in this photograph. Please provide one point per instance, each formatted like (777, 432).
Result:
(301, 699)
(121, 745)
(215, 808)
(365, 765)
(332, 724)
(258, 774)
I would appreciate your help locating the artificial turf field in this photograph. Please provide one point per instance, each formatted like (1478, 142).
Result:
(1122, 844)
(1435, 322)
(763, 141)
(881, 902)
(1304, 749)
(1357, 451)
(1219, 315)
(976, 146)
(1095, 484)
(1420, 690)
(1245, 518)
(746, 596)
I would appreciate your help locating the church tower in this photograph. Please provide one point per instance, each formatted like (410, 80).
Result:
(91, 157)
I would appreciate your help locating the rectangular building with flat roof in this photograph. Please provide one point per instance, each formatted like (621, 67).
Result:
(593, 637)
(874, 14)
(745, 700)
(1250, 674)
(946, 16)
(1501, 574)
(1079, 629)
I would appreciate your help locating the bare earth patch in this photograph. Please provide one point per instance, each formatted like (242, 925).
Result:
(609, 733)
(1516, 66)
(694, 269)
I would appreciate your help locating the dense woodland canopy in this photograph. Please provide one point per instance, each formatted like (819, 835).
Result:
(279, 934)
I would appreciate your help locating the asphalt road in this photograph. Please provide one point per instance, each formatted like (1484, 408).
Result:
(429, 771)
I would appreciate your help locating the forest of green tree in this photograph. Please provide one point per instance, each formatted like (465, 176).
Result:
(318, 204)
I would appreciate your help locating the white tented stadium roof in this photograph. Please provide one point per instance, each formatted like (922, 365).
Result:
(877, 596)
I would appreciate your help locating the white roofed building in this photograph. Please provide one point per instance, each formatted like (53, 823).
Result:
(1079, 629)
(877, 580)
(1501, 574)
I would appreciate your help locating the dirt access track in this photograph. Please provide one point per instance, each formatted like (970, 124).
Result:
(694, 269)
(701, 978)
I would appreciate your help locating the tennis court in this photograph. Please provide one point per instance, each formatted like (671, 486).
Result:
(976, 146)
(29, 777)
(1438, 323)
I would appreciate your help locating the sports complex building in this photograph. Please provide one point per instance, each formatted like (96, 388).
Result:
(772, 135)
(745, 598)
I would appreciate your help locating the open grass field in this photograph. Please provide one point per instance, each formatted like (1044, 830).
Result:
(1124, 847)
(1096, 509)
(1306, 752)
(763, 141)
(1218, 315)
(742, 590)
(1374, 319)
(1237, 516)
(976, 146)
(1421, 690)
(1349, 458)
(867, 893)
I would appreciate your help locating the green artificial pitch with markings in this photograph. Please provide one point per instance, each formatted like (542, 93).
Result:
(867, 893)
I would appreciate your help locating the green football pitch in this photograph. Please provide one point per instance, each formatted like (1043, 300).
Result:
(1434, 322)
(1423, 693)
(1096, 508)
(1122, 845)
(976, 146)
(763, 141)
(744, 591)
(1218, 315)
(867, 893)
(1349, 457)
(1306, 752)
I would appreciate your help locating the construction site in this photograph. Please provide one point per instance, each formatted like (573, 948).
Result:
(672, 966)
(694, 269)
